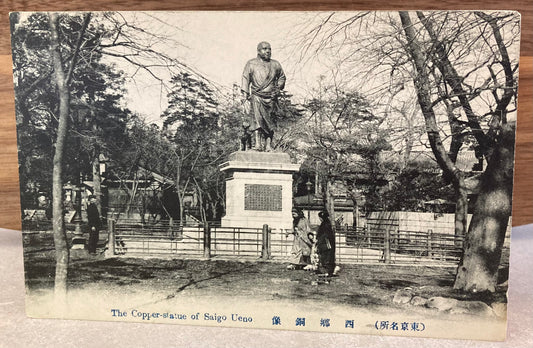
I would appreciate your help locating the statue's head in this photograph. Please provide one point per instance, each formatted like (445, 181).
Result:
(264, 51)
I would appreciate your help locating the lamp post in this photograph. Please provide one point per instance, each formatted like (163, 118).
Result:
(309, 185)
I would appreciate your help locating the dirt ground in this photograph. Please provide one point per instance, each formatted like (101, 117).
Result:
(370, 286)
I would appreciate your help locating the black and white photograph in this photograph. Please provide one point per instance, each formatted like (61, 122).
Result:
(347, 172)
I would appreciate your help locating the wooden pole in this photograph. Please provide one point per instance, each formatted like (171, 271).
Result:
(430, 234)
(386, 246)
(207, 241)
(265, 250)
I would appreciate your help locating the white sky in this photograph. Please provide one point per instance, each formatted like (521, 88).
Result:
(218, 45)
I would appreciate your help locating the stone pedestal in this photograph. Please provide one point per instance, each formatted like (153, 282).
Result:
(258, 189)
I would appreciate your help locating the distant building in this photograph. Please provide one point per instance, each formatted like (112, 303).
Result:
(346, 212)
(312, 204)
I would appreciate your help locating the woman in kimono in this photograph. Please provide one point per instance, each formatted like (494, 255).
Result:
(326, 246)
(301, 246)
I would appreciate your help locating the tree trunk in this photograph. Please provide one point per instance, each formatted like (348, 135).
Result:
(478, 269)
(355, 213)
(330, 200)
(181, 193)
(182, 211)
(62, 80)
(409, 140)
(97, 182)
(461, 209)
(211, 210)
(60, 237)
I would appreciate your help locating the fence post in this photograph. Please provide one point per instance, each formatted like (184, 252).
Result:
(265, 250)
(430, 234)
(269, 245)
(110, 252)
(207, 241)
(386, 246)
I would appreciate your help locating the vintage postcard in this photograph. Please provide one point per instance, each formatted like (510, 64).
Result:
(344, 172)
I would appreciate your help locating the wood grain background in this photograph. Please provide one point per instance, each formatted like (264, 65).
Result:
(9, 189)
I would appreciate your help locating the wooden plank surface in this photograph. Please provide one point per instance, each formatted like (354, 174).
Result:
(9, 190)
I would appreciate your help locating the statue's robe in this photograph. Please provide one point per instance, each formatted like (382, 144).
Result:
(262, 80)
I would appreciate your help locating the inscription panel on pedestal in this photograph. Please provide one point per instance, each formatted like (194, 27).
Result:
(262, 197)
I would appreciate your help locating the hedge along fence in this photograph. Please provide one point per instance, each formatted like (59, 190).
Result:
(353, 245)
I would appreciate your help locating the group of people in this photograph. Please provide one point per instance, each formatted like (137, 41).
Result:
(312, 252)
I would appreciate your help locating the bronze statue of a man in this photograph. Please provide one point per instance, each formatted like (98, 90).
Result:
(262, 81)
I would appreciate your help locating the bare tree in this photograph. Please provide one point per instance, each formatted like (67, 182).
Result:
(478, 269)
(465, 84)
(343, 140)
(62, 80)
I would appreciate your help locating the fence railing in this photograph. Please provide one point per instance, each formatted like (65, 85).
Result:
(353, 245)
(386, 244)
(133, 237)
(164, 237)
(394, 246)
